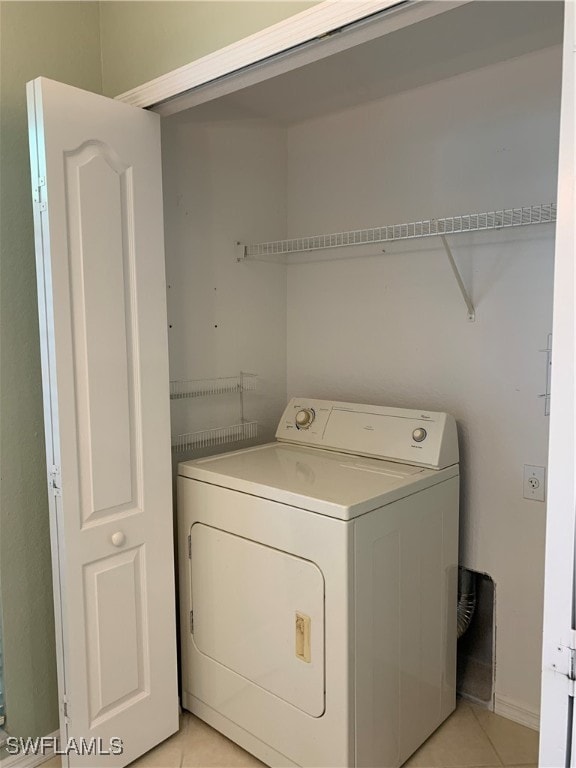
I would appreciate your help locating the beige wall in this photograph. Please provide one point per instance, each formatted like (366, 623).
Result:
(142, 40)
(104, 47)
(60, 41)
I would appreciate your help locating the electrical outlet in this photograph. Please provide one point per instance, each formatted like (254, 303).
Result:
(534, 483)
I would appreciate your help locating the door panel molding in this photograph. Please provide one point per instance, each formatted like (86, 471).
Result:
(100, 224)
(110, 624)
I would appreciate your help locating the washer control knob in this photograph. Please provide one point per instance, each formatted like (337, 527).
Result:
(304, 418)
(419, 434)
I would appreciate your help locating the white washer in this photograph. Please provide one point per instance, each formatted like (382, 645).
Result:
(318, 585)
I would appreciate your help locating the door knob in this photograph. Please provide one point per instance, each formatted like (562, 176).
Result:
(118, 538)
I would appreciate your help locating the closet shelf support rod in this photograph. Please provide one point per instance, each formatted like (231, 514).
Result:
(463, 291)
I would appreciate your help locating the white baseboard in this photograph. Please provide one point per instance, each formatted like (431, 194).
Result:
(515, 712)
(28, 761)
(477, 702)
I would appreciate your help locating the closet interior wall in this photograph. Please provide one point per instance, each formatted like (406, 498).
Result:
(224, 180)
(385, 323)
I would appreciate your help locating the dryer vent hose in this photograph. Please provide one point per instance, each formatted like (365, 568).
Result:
(466, 599)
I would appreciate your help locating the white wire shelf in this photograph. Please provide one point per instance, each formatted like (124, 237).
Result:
(206, 438)
(182, 389)
(469, 222)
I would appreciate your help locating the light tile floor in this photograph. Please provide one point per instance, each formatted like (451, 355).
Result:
(474, 737)
(471, 738)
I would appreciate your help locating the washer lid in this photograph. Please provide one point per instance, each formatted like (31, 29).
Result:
(334, 484)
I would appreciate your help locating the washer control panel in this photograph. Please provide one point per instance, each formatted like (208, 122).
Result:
(422, 438)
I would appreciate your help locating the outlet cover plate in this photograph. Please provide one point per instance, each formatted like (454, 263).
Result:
(534, 483)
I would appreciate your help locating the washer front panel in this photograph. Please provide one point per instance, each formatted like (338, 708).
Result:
(323, 542)
(262, 617)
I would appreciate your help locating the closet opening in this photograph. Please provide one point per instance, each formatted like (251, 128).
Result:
(306, 220)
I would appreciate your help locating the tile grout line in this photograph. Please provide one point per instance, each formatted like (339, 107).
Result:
(504, 764)
(498, 755)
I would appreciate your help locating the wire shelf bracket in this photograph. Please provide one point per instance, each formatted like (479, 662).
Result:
(459, 281)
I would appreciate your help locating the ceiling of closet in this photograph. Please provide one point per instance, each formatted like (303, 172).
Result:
(471, 36)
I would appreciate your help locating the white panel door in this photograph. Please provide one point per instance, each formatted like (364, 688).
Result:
(557, 742)
(96, 174)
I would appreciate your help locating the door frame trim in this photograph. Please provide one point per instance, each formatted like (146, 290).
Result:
(301, 39)
(557, 712)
